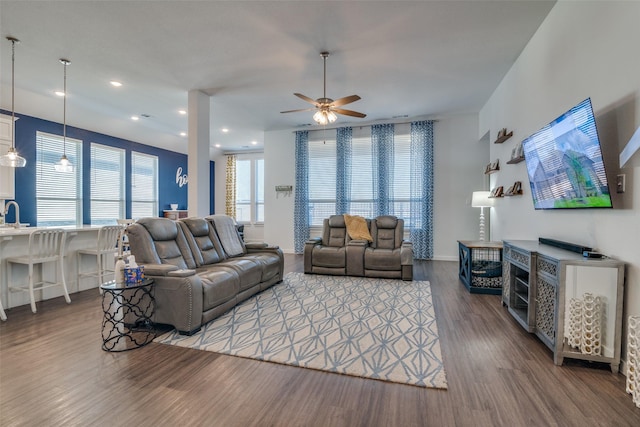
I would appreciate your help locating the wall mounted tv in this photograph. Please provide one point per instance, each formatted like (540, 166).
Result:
(564, 162)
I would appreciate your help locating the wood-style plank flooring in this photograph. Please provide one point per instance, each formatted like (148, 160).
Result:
(54, 373)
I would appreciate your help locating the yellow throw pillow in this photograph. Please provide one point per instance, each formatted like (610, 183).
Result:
(357, 227)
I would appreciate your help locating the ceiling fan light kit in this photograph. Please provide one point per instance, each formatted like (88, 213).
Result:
(327, 108)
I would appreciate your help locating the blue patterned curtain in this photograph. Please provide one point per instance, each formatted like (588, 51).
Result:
(382, 158)
(301, 205)
(421, 210)
(343, 169)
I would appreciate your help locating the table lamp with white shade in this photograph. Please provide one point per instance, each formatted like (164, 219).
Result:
(481, 199)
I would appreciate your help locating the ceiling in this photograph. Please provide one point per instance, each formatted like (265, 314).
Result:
(405, 59)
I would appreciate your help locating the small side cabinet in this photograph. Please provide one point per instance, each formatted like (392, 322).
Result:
(571, 303)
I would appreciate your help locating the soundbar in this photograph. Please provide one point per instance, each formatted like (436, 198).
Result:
(565, 245)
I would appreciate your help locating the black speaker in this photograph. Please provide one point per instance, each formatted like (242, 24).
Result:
(565, 245)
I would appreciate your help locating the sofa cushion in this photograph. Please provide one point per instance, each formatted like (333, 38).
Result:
(387, 232)
(270, 264)
(382, 259)
(231, 242)
(334, 231)
(249, 271)
(219, 285)
(164, 243)
(327, 256)
(357, 227)
(203, 241)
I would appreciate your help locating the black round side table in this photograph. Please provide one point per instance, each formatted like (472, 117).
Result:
(127, 318)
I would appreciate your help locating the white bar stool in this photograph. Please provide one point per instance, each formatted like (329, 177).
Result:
(3, 315)
(109, 239)
(44, 246)
(124, 241)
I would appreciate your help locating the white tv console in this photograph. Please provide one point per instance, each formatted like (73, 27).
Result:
(539, 282)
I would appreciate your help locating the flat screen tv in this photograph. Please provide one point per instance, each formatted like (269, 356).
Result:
(564, 162)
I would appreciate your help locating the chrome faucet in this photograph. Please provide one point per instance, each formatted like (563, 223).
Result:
(17, 209)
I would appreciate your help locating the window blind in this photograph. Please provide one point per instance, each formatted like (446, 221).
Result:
(250, 189)
(322, 180)
(107, 184)
(144, 185)
(58, 194)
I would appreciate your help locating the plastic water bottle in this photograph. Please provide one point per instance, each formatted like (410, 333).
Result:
(119, 272)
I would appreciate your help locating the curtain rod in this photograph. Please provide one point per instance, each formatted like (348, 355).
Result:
(361, 125)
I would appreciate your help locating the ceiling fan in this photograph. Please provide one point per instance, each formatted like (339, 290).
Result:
(327, 108)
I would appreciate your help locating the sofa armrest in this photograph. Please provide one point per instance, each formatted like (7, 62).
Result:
(406, 253)
(260, 245)
(406, 260)
(355, 257)
(308, 251)
(178, 302)
(159, 269)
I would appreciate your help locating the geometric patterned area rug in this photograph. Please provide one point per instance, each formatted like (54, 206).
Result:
(374, 328)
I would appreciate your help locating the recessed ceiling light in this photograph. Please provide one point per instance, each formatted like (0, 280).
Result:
(135, 118)
(254, 142)
(182, 112)
(115, 83)
(225, 130)
(59, 93)
(183, 134)
(217, 145)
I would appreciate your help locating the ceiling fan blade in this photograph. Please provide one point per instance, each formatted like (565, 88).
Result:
(295, 111)
(348, 112)
(306, 98)
(345, 100)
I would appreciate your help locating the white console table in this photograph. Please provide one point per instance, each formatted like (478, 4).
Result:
(539, 282)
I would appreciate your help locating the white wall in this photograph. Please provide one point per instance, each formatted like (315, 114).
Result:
(459, 160)
(582, 49)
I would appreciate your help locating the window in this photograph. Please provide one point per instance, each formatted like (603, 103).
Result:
(362, 188)
(362, 192)
(250, 189)
(58, 194)
(144, 185)
(107, 184)
(322, 180)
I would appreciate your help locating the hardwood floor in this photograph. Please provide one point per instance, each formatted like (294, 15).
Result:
(54, 373)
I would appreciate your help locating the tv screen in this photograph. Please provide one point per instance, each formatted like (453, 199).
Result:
(564, 162)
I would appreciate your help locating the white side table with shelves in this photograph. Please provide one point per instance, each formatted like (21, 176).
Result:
(539, 283)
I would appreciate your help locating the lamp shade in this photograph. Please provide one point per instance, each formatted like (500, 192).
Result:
(481, 199)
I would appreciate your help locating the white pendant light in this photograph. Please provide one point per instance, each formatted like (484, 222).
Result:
(12, 158)
(64, 165)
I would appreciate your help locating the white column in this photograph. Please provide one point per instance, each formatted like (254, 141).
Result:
(198, 163)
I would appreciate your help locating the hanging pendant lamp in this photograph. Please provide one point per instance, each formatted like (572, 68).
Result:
(64, 165)
(12, 158)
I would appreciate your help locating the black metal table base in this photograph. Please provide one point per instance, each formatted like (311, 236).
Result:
(128, 312)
